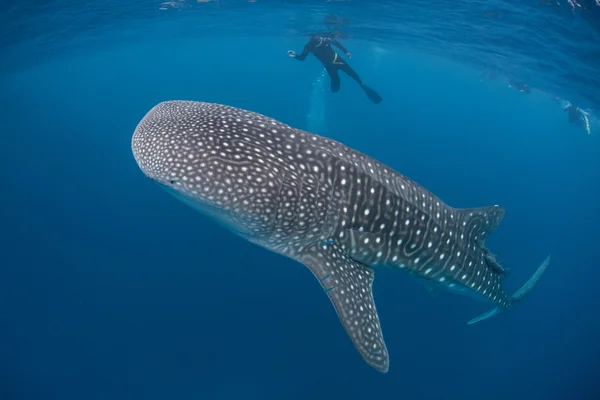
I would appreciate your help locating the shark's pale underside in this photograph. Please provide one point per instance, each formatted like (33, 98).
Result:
(327, 206)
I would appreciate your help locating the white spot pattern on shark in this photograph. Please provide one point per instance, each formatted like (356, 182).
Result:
(323, 204)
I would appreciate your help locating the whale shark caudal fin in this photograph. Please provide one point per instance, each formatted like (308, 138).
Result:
(519, 294)
(348, 284)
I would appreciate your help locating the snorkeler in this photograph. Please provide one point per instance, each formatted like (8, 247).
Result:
(320, 46)
(577, 116)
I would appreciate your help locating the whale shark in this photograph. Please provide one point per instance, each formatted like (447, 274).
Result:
(337, 211)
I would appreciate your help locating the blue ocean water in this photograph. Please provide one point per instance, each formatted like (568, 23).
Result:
(111, 289)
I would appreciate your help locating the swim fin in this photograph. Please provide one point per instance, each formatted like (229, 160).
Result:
(371, 94)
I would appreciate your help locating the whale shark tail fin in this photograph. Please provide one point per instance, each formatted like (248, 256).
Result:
(519, 294)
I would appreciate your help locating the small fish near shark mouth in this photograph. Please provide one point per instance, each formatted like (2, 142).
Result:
(331, 208)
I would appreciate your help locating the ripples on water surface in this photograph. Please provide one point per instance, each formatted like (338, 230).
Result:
(551, 45)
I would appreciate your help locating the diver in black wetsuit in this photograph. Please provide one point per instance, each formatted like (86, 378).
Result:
(575, 115)
(320, 46)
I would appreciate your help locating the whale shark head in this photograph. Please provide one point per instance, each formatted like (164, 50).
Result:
(214, 158)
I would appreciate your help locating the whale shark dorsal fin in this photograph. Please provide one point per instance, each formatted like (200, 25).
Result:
(348, 284)
(480, 222)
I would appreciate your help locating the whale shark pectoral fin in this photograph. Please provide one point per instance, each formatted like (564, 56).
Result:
(348, 284)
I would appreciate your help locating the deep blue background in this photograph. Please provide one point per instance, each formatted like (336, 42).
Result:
(111, 289)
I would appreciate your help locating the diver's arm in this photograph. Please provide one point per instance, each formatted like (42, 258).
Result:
(300, 57)
(342, 48)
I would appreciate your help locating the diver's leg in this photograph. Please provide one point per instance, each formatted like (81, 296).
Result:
(335, 78)
(351, 73)
(371, 94)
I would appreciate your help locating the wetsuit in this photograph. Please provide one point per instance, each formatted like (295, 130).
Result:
(575, 116)
(321, 48)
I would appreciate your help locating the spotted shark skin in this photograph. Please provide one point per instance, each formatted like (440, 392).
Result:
(333, 209)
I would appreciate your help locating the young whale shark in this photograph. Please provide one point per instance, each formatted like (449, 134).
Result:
(323, 204)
